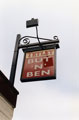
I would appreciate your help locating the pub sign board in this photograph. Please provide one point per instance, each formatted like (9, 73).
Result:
(39, 65)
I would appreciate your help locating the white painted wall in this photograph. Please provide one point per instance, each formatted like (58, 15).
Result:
(6, 110)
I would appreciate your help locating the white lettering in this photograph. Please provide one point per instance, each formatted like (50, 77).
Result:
(38, 66)
(38, 60)
(31, 55)
(46, 59)
(29, 74)
(37, 73)
(30, 61)
(27, 55)
(44, 72)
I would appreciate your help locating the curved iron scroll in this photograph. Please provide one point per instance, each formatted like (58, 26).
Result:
(25, 39)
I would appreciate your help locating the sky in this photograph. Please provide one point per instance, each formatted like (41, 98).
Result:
(51, 99)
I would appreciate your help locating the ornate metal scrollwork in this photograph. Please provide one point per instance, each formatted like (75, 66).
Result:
(24, 41)
(55, 37)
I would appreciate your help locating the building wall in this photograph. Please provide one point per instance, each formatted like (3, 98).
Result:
(6, 109)
(8, 98)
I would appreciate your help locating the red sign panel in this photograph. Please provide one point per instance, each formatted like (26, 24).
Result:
(39, 65)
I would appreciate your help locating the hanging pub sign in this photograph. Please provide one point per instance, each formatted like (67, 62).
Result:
(39, 65)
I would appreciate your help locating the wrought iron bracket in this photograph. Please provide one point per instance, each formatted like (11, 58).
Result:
(24, 42)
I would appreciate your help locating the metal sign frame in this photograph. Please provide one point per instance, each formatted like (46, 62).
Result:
(23, 43)
(38, 78)
(48, 44)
